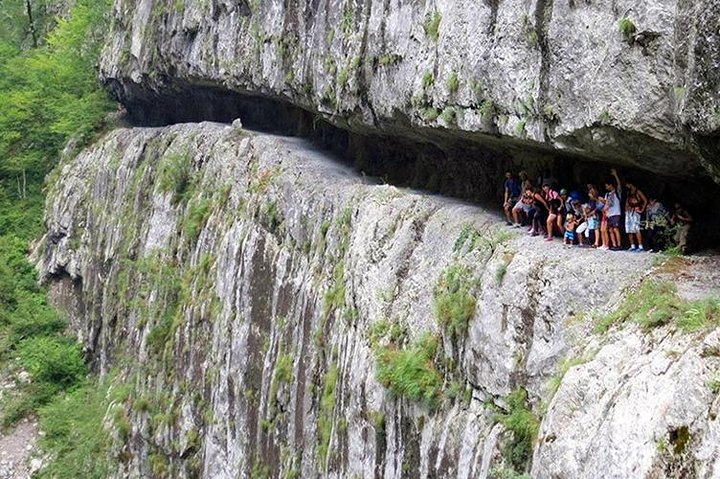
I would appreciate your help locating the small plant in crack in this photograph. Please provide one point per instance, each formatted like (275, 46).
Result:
(432, 25)
(627, 28)
(453, 83)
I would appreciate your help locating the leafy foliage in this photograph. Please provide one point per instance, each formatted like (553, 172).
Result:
(53, 360)
(74, 435)
(47, 95)
(50, 94)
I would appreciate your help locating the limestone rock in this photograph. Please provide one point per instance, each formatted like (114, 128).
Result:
(535, 74)
(244, 277)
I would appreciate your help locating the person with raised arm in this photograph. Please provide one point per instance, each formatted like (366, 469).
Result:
(610, 226)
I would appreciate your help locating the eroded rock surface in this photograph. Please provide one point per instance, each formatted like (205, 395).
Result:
(238, 282)
(539, 74)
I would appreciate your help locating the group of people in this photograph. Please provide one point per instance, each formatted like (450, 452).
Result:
(595, 220)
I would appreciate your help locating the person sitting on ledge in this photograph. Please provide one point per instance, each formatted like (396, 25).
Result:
(522, 208)
(512, 193)
(658, 219)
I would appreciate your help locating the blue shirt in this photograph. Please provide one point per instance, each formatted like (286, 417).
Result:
(513, 187)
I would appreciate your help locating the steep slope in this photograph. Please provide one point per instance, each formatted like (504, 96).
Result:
(628, 82)
(276, 315)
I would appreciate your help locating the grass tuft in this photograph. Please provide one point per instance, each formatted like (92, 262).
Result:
(327, 409)
(656, 303)
(428, 80)
(453, 83)
(173, 174)
(523, 426)
(432, 25)
(411, 372)
(454, 302)
(449, 115)
(197, 215)
(627, 28)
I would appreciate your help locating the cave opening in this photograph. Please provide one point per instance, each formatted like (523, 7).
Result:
(441, 161)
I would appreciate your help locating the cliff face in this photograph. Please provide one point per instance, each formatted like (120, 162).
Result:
(260, 300)
(628, 82)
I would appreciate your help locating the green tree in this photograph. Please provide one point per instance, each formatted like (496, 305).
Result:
(48, 94)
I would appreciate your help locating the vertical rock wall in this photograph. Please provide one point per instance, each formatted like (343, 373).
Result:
(245, 287)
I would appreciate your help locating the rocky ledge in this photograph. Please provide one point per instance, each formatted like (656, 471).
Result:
(274, 314)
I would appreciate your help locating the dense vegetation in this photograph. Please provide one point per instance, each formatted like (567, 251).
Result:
(48, 95)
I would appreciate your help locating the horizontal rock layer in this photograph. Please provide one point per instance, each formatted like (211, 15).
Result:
(545, 75)
(240, 283)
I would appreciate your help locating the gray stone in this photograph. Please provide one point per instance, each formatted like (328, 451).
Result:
(537, 74)
(255, 273)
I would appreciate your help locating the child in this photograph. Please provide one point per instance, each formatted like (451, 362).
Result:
(570, 229)
(592, 223)
(635, 205)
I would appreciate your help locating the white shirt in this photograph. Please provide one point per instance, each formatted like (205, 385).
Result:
(613, 204)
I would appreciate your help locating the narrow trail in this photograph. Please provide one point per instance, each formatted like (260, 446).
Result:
(16, 450)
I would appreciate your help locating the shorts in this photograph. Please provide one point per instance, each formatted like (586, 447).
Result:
(570, 235)
(523, 206)
(511, 201)
(632, 222)
(613, 221)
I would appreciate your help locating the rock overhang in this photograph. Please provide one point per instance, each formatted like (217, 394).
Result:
(545, 77)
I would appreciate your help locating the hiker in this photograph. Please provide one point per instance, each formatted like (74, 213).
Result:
(525, 182)
(512, 193)
(682, 219)
(656, 224)
(610, 226)
(593, 215)
(635, 205)
(555, 210)
(522, 208)
(538, 214)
